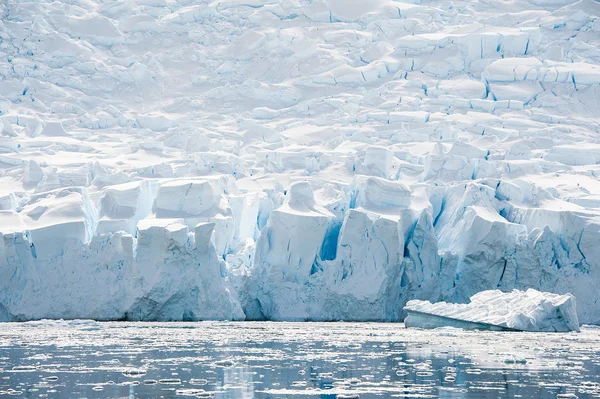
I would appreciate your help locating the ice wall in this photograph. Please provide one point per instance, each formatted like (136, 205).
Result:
(360, 255)
(165, 271)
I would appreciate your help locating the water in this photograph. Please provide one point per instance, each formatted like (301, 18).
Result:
(269, 360)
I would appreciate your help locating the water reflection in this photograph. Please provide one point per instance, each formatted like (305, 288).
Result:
(269, 360)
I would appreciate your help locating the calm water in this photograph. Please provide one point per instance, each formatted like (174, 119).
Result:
(270, 360)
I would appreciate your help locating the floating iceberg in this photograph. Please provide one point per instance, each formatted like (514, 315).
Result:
(529, 310)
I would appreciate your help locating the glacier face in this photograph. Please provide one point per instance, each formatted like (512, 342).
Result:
(295, 160)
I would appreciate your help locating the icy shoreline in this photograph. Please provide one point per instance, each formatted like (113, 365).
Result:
(295, 160)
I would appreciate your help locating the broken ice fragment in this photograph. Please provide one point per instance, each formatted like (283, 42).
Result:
(495, 310)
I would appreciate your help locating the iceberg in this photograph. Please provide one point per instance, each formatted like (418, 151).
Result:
(495, 310)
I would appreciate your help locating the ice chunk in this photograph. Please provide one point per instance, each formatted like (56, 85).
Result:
(447, 167)
(96, 28)
(463, 88)
(370, 248)
(202, 235)
(523, 91)
(529, 310)
(6, 128)
(54, 129)
(519, 150)
(154, 122)
(153, 237)
(379, 160)
(348, 10)
(57, 215)
(11, 222)
(8, 202)
(481, 229)
(123, 205)
(376, 194)
(33, 173)
(181, 198)
(519, 69)
(512, 69)
(4, 106)
(408, 116)
(245, 214)
(290, 242)
(571, 155)
(467, 151)
(178, 281)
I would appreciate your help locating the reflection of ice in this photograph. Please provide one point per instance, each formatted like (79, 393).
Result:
(237, 383)
(491, 349)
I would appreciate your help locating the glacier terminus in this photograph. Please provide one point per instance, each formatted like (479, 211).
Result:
(323, 160)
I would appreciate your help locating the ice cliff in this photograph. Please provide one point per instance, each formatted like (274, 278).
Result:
(295, 160)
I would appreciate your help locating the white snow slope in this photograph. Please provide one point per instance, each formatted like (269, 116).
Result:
(295, 159)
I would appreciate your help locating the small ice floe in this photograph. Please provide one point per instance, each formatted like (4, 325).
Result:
(224, 363)
(191, 392)
(24, 368)
(134, 373)
(495, 310)
(81, 324)
(170, 381)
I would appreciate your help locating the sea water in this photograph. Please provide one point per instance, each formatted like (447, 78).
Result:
(86, 359)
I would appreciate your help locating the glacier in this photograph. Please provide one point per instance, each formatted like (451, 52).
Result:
(294, 159)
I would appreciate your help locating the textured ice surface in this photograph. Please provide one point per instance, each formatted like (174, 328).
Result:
(529, 310)
(322, 160)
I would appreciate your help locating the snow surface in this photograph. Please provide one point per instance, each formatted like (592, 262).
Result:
(322, 160)
(529, 310)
